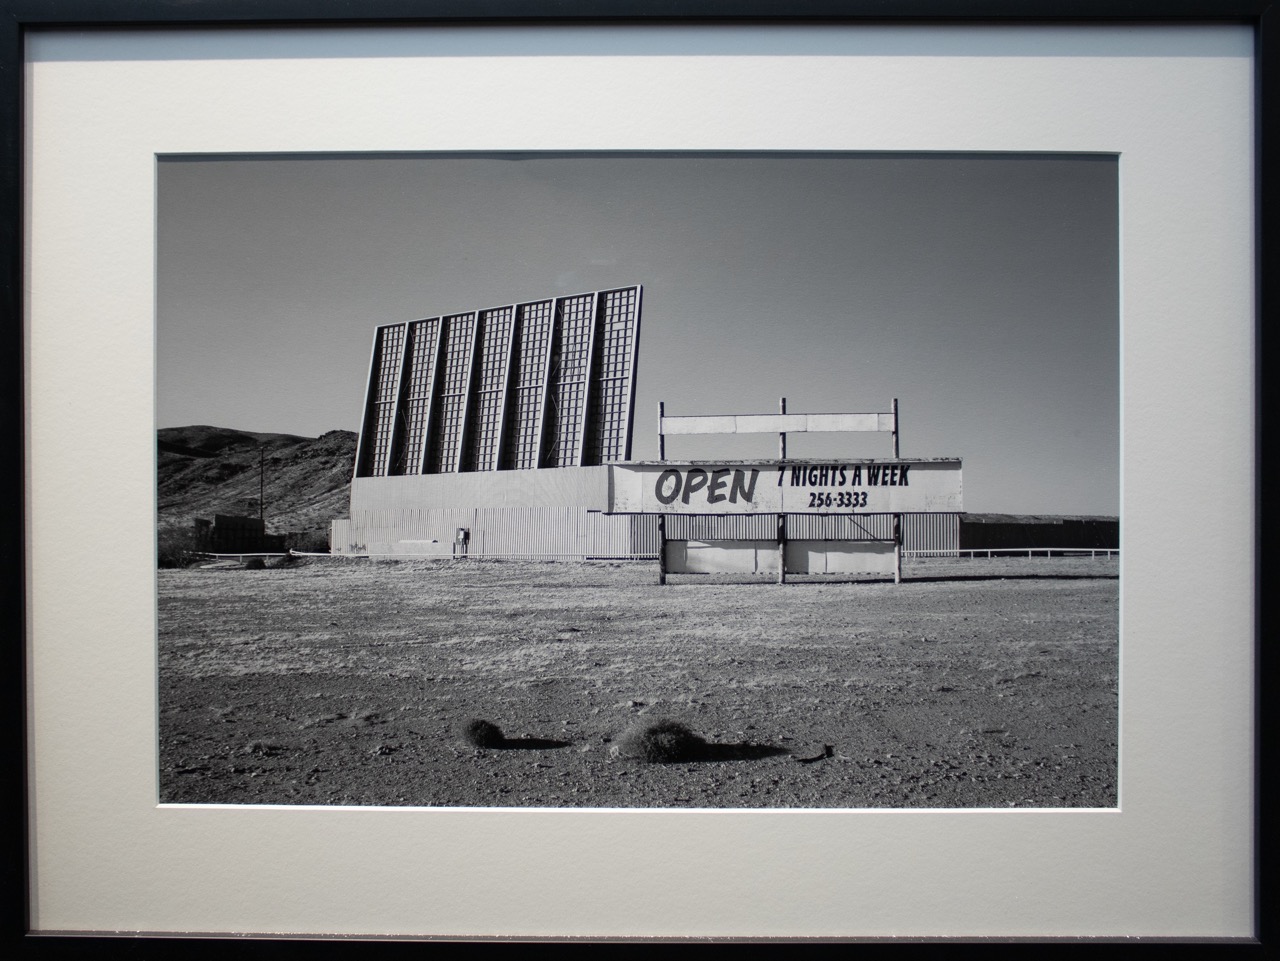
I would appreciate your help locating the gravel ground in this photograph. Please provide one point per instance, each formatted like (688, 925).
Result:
(975, 683)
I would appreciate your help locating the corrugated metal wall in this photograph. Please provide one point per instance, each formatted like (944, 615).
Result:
(722, 527)
(920, 532)
(840, 527)
(938, 534)
(610, 535)
(553, 532)
(644, 535)
(572, 532)
(385, 531)
(532, 532)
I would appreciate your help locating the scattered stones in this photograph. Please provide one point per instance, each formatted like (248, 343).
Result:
(825, 751)
(741, 682)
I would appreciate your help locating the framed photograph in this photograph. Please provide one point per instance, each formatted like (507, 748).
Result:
(1047, 233)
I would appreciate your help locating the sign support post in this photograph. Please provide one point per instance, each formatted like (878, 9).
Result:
(782, 548)
(662, 548)
(782, 437)
(897, 548)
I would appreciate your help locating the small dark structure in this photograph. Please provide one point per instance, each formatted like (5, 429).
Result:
(1020, 532)
(228, 534)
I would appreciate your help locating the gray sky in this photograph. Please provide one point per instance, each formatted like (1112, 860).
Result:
(982, 291)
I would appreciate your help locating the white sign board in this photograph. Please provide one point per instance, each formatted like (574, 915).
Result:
(776, 423)
(849, 487)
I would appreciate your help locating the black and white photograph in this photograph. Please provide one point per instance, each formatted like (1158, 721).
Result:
(638, 480)
(644, 480)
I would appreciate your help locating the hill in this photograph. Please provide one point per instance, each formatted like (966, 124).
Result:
(202, 471)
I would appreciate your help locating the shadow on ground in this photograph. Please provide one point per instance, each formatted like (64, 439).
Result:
(737, 752)
(527, 744)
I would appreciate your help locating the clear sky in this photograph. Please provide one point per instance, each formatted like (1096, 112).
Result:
(981, 291)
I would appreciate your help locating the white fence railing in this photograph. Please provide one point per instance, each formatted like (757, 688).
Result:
(966, 552)
(1018, 552)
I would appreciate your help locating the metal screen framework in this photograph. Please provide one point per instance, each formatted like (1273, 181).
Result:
(417, 385)
(570, 370)
(493, 379)
(544, 383)
(532, 366)
(446, 430)
(610, 434)
(379, 417)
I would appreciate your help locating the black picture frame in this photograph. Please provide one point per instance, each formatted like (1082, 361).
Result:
(23, 16)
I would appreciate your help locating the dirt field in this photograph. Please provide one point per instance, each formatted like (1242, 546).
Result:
(987, 683)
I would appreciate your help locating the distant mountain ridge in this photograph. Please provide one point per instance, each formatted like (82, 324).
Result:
(202, 441)
(203, 471)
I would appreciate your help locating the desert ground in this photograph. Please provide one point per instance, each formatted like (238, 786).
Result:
(974, 683)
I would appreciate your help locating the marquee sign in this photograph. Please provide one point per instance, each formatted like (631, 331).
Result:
(793, 487)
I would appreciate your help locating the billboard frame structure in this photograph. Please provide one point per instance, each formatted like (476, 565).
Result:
(781, 423)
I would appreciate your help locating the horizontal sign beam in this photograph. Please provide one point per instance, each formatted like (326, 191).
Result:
(776, 423)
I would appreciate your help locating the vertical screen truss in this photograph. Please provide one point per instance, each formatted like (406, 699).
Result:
(384, 383)
(533, 354)
(545, 383)
(446, 437)
(570, 366)
(610, 421)
(417, 384)
(493, 374)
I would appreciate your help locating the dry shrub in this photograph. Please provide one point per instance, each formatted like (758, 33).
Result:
(661, 742)
(175, 547)
(255, 564)
(480, 733)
